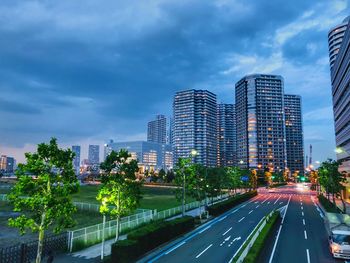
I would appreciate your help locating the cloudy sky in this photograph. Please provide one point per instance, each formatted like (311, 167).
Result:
(85, 71)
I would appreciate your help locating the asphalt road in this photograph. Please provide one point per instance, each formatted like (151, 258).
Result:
(302, 235)
(219, 239)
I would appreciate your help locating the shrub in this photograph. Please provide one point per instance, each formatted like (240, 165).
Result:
(278, 185)
(328, 205)
(258, 245)
(231, 202)
(149, 237)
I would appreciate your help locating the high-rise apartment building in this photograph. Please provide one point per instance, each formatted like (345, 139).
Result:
(194, 126)
(76, 160)
(226, 135)
(260, 122)
(157, 130)
(94, 154)
(340, 77)
(335, 38)
(294, 133)
(7, 164)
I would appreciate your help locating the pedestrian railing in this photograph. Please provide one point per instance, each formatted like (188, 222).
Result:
(91, 235)
(3, 197)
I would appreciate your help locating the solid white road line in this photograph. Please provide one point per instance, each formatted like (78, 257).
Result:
(304, 222)
(203, 251)
(241, 219)
(279, 232)
(308, 255)
(250, 212)
(204, 229)
(227, 231)
(305, 235)
(277, 200)
(222, 218)
(179, 245)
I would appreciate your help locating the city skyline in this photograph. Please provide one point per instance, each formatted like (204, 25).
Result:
(296, 48)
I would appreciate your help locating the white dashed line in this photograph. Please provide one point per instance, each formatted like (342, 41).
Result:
(277, 200)
(227, 231)
(203, 251)
(308, 255)
(241, 219)
(302, 208)
(302, 213)
(250, 212)
(257, 206)
(304, 222)
(305, 235)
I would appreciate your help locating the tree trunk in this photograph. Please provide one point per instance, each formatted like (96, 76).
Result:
(117, 229)
(41, 239)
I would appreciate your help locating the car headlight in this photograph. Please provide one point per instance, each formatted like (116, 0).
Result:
(335, 248)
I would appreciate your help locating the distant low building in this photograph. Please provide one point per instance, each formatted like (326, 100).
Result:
(150, 155)
(7, 164)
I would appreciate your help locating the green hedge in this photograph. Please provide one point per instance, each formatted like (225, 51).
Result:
(258, 245)
(328, 205)
(223, 206)
(149, 237)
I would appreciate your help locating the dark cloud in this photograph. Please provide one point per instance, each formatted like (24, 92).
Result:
(87, 69)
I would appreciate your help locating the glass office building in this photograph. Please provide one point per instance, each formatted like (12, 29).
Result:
(150, 155)
(94, 154)
(157, 130)
(195, 126)
(76, 160)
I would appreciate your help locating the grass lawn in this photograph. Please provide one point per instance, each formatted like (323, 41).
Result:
(159, 198)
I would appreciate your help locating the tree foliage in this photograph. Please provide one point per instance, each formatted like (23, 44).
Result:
(43, 191)
(121, 191)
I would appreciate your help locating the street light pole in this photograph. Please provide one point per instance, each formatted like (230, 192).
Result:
(192, 154)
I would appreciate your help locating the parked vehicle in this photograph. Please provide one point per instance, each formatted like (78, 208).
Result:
(338, 227)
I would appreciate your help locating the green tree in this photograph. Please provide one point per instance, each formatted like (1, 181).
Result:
(162, 174)
(268, 178)
(43, 192)
(183, 170)
(121, 191)
(234, 178)
(331, 179)
(253, 179)
(170, 176)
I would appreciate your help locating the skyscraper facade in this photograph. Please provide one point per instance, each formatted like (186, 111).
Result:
(157, 130)
(260, 122)
(226, 135)
(94, 154)
(335, 38)
(195, 126)
(7, 164)
(340, 77)
(294, 133)
(76, 160)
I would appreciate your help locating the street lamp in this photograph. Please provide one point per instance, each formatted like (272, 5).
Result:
(192, 154)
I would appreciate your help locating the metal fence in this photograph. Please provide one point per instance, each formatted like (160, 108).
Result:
(88, 236)
(26, 252)
(3, 197)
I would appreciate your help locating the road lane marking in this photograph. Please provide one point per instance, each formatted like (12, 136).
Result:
(302, 208)
(256, 202)
(279, 232)
(179, 245)
(227, 231)
(237, 238)
(225, 240)
(305, 235)
(281, 203)
(308, 255)
(234, 211)
(250, 212)
(265, 200)
(203, 251)
(268, 203)
(277, 200)
(243, 205)
(204, 229)
(304, 222)
(222, 218)
(241, 219)
(257, 206)
(302, 213)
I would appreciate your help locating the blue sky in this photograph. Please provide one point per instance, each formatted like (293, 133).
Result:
(85, 71)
